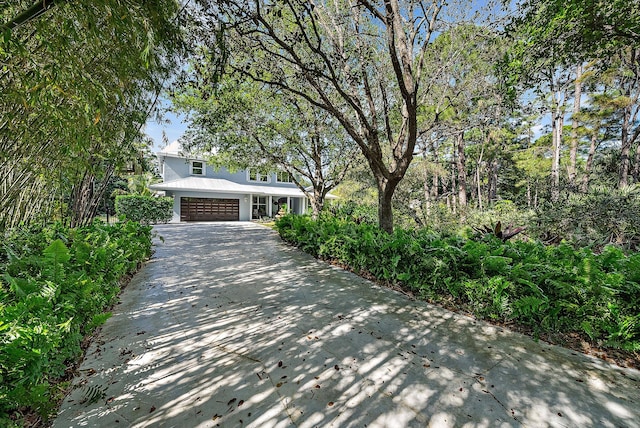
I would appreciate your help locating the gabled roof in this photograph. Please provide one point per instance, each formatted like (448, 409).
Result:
(173, 148)
(203, 184)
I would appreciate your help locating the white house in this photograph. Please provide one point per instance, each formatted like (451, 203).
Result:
(202, 193)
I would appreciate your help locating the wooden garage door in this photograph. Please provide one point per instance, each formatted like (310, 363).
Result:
(208, 209)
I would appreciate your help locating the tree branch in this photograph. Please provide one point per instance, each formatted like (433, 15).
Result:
(37, 9)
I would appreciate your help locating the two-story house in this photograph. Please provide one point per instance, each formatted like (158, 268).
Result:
(202, 193)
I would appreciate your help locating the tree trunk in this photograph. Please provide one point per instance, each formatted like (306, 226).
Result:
(636, 165)
(625, 148)
(436, 180)
(573, 152)
(556, 130)
(86, 197)
(81, 196)
(385, 211)
(427, 199)
(426, 189)
(462, 173)
(317, 203)
(589, 164)
(493, 181)
(479, 187)
(34, 11)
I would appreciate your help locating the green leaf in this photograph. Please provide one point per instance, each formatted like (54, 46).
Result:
(56, 255)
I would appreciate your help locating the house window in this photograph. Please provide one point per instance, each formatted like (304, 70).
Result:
(259, 207)
(254, 175)
(283, 177)
(197, 168)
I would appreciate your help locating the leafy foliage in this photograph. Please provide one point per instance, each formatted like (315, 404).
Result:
(144, 209)
(545, 288)
(54, 286)
(246, 124)
(497, 230)
(78, 83)
(602, 216)
(577, 30)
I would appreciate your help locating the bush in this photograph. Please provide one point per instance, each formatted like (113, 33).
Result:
(54, 286)
(144, 209)
(503, 211)
(602, 216)
(546, 288)
(350, 210)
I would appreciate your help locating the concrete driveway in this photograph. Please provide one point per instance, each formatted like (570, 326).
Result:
(228, 326)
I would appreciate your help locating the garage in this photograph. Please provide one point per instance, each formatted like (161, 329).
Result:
(209, 209)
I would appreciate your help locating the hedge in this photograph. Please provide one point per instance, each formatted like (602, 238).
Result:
(144, 209)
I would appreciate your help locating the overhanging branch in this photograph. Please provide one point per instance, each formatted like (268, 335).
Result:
(37, 9)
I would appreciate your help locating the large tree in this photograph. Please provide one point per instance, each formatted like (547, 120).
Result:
(245, 124)
(554, 36)
(363, 62)
(469, 94)
(578, 30)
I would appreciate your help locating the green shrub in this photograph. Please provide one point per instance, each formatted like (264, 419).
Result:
(602, 216)
(54, 287)
(349, 210)
(547, 288)
(144, 209)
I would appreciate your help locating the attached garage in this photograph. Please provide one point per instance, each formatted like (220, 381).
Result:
(209, 209)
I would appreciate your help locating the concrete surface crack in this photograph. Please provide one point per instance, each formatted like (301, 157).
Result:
(239, 354)
(508, 411)
(125, 419)
(495, 365)
(281, 398)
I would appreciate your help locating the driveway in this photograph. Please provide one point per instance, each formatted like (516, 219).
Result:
(228, 326)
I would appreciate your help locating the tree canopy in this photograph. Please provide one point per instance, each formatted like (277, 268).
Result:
(78, 82)
(246, 124)
(576, 30)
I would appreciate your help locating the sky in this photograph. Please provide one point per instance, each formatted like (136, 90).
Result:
(173, 126)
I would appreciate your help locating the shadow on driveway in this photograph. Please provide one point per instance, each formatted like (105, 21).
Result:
(228, 326)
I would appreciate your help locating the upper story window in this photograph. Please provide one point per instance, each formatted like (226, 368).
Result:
(197, 168)
(283, 177)
(253, 175)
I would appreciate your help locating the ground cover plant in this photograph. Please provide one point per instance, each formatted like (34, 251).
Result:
(55, 284)
(545, 288)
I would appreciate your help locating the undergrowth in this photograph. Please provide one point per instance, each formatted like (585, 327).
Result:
(548, 289)
(55, 285)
